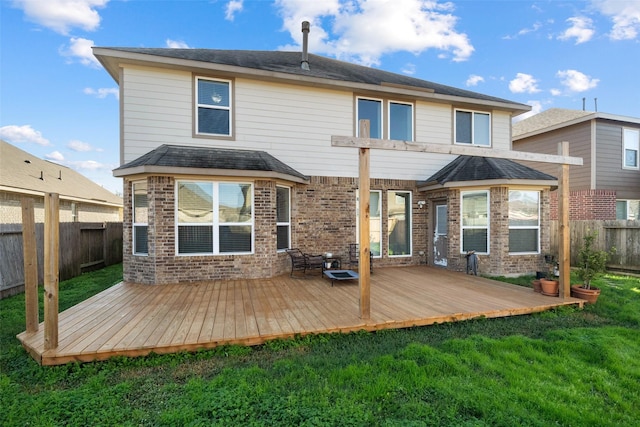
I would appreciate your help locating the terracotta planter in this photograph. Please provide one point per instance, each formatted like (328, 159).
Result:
(550, 287)
(536, 285)
(589, 295)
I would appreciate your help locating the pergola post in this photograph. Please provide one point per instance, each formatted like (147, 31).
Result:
(30, 256)
(564, 250)
(51, 269)
(364, 207)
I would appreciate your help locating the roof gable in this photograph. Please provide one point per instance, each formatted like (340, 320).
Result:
(22, 172)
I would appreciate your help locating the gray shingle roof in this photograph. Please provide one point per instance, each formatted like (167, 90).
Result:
(23, 172)
(473, 168)
(175, 156)
(321, 67)
(547, 119)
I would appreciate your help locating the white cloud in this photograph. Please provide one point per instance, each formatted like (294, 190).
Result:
(536, 107)
(232, 8)
(581, 30)
(76, 145)
(80, 49)
(62, 15)
(409, 69)
(473, 80)
(556, 92)
(91, 165)
(625, 15)
(524, 83)
(102, 92)
(26, 133)
(575, 81)
(56, 156)
(176, 44)
(401, 25)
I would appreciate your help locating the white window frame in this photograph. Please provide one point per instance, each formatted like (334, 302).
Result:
(370, 219)
(213, 107)
(215, 223)
(630, 142)
(410, 219)
(473, 227)
(135, 224)
(381, 118)
(284, 223)
(526, 227)
(627, 207)
(473, 120)
(389, 121)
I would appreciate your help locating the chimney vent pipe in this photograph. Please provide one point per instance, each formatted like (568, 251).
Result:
(304, 64)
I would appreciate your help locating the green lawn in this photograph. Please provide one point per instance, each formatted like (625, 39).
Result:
(565, 367)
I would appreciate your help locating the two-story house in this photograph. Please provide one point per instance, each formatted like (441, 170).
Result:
(227, 161)
(607, 185)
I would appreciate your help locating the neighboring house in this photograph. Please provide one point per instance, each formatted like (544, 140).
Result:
(607, 186)
(227, 161)
(80, 199)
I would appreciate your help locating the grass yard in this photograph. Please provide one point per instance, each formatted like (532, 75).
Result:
(565, 367)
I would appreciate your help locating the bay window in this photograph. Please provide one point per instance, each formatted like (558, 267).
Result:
(213, 107)
(473, 127)
(214, 217)
(283, 218)
(524, 221)
(475, 221)
(140, 218)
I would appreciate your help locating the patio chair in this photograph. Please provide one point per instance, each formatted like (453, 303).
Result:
(354, 256)
(302, 262)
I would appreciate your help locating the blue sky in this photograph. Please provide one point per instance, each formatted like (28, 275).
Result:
(56, 102)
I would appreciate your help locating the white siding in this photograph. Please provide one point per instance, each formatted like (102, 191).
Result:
(292, 123)
(501, 130)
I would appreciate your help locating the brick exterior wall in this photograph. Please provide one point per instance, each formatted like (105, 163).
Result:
(587, 205)
(323, 215)
(499, 262)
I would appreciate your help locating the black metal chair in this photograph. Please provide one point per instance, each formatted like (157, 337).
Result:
(302, 262)
(354, 256)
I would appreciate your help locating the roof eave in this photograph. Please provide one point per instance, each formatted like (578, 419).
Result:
(112, 58)
(62, 196)
(552, 184)
(171, 170)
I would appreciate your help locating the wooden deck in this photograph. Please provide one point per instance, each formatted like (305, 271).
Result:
(135, 320)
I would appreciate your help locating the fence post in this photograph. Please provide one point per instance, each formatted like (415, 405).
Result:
(51, 269)
(30, 261)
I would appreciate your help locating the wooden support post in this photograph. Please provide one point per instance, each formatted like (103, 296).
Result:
(51, 276)
(30, 256)
(364, 202)
(564, 250)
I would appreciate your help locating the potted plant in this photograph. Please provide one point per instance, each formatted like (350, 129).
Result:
(591, 264)
(549, 284)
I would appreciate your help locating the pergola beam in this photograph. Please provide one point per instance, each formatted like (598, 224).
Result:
(459, 150)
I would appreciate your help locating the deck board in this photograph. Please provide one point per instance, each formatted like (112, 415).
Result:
(133, 320)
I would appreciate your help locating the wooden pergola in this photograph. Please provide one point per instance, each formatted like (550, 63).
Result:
(365, 144)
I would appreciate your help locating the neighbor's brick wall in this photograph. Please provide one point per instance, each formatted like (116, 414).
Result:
(587, 205)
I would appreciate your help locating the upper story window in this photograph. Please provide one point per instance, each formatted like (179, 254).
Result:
(399, 118)
(213, 105)
(524, 221)
(140, 218)
(473, 127)
(631, 148)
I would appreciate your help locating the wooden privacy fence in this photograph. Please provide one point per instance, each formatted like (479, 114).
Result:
(622, 234)
(83, 246)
